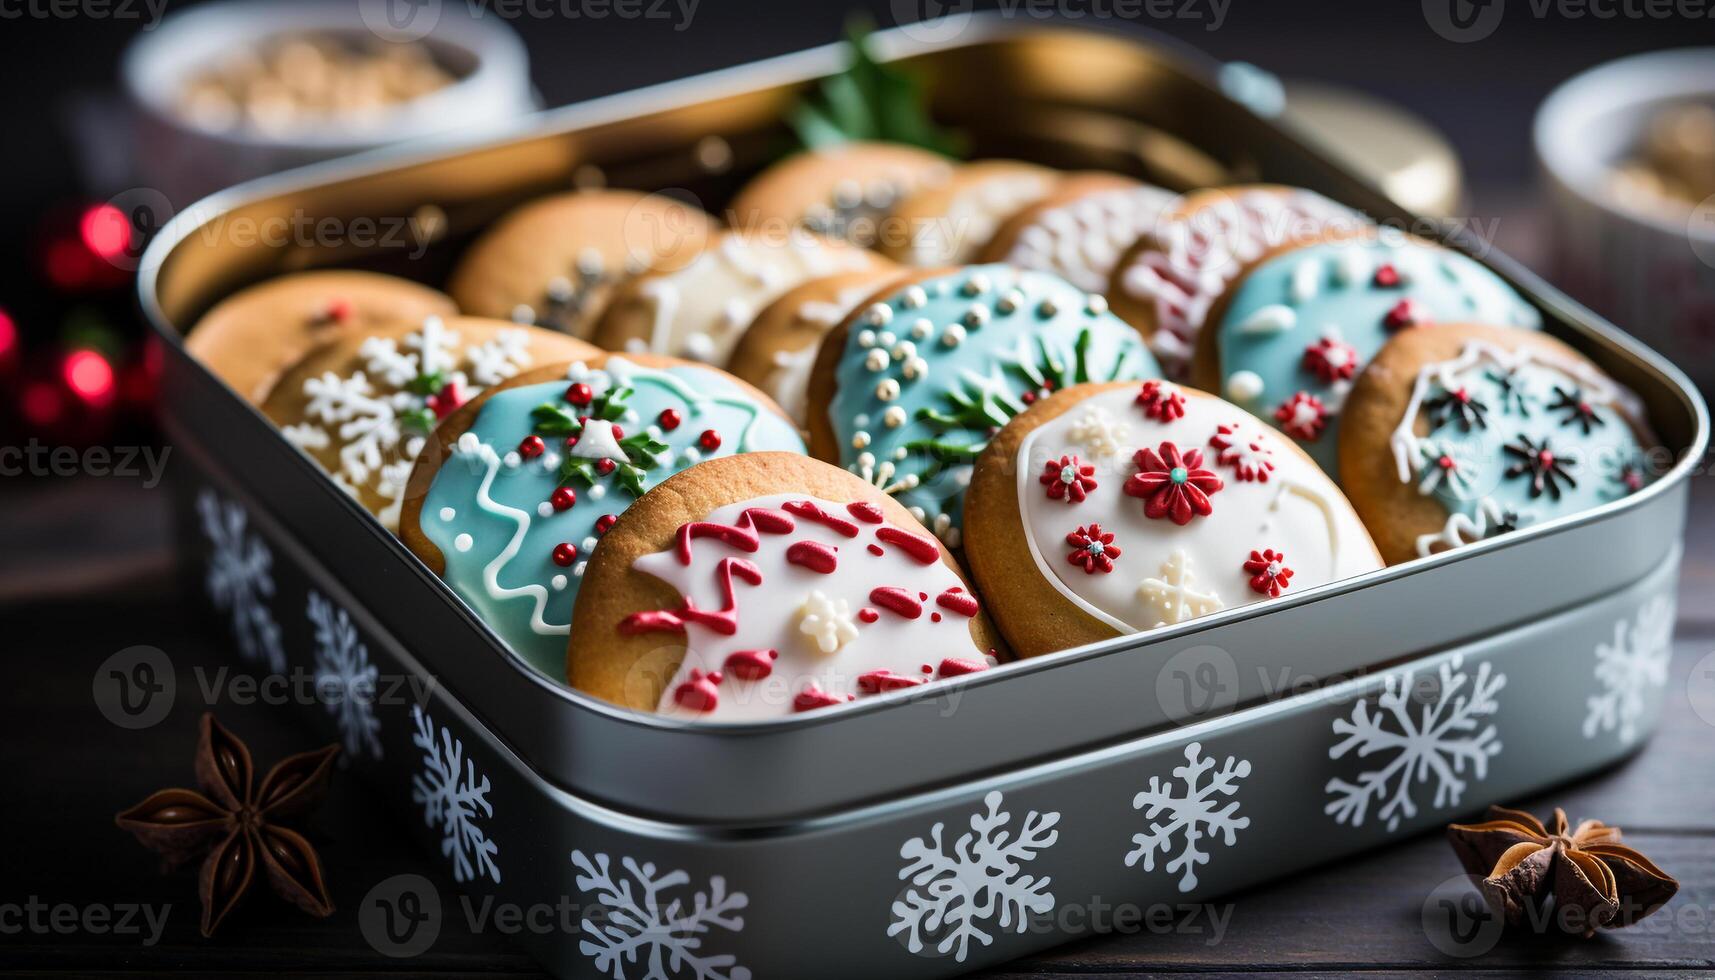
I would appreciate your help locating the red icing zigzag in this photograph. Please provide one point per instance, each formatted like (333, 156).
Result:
(742, 535)
(723, 621)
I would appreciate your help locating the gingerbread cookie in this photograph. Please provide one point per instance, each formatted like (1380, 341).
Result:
(1166, 281)
(909, 389)
(779, 348)
(1078, 231)
(250, 337)
(697, 301)
(1143, 506)
(756, 588)
(554, 262)
(1464, 432)
(948, 224)
(363, 406)
(511, 496)
(844, 192)
(1288, 336)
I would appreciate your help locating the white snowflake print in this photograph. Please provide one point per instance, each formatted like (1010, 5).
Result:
(952, 894)
(240, 579)
(1172, 596)
(1630, 670)
(454, 800)
(1192, 817)
(1434, 735)
(345, 679)
(633, 920)
(1099, 433)
(826, 621)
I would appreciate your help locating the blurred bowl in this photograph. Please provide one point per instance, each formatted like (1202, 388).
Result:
(1651, 270)
(184, 160)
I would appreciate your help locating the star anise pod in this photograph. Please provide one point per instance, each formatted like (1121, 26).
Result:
(238, 825)
(1593, 879)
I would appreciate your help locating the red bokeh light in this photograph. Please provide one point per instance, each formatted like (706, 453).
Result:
(41, 404)
(89, 375)
(105, 231)
(8, 335)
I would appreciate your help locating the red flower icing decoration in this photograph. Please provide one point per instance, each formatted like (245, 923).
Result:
(446, 401)
(1268, 571)
(1303, 416)
(1387, 277)
(1251, 460)
(1173, 486)
(1069, 479)
(1093, 549)
(1405, 313)
(1331, 359)
(1161, 401)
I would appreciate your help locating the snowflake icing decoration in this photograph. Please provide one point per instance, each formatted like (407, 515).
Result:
(240, 579)
(455, 801)
(1193, 817)
(345, 679)
(1443, 740)
(1629, 670)
(952, 893)
(633, 920)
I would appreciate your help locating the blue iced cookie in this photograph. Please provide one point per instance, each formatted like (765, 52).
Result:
(523, 480)
(1289, 337)
(1462, 432)
(909, 389)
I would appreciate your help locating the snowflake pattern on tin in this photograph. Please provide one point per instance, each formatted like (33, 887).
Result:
(633, 921)
(240, 579)
(953, 892)
(454, 798)
(1630, 671)
(1440, 733)
(345, 679)
(1193, 817)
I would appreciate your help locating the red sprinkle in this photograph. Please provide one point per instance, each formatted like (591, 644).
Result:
(868, 615)
(813, 697)
(1387, 276)
(927, 669)
(810, 512)
(563, 498)
(579, 394)
(604, 522)
(339, 310)
(1405, 313)
(955, 666)
(709, 440)
(921, 549)
(532, 447)
(605, 466)
(957, 600)
(934, 617)
(669, 419)
(565, 553)
(877, 681)
(875, 549)
(865, 511)
(814, 555)
(896, 601)
(698, 693)
(751, 665)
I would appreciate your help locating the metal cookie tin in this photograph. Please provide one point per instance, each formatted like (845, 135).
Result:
(985, 817)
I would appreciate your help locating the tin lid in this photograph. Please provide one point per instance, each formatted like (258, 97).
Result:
(1400, 152)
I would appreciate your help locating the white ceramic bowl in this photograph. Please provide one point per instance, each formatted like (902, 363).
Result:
(185, 161)
(1651, 272)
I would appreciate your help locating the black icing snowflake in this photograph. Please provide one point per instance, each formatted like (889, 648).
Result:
(1458, 405)
(1505, 521)
(1514, 398)
(1538, 461)
(1578, 411)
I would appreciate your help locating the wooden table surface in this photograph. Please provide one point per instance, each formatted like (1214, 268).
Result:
(67, 771)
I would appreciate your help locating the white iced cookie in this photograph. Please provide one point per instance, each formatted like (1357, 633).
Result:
(1079, 231)
(697, 303)
(948, 224)
(1147, 505)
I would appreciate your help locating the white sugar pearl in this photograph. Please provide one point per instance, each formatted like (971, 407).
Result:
(976, 285)
(904, 350)
(878, 315)
(1098, 304)
(953, 336)
(922, 329)
(511, 460)
(860, 440)
(558, 582)
(578, 569)
(885, 339)
(915, 298)
(1010, 303)
(876, 359)
(544, 509)
(1047, 308)
(887, 390)
(893, 418)
(587, 545)
(866, 338)
(915, 368)
(596, 491)
(463, 542)
(447, 513)
(976, 316)
(1244, 386)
